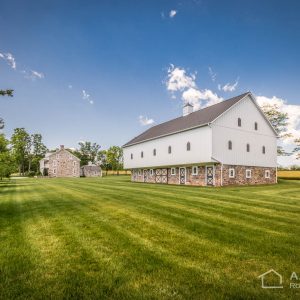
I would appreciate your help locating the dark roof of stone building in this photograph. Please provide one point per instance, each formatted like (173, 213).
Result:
(195, 119)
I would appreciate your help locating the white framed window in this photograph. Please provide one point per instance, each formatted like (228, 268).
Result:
(139, 172)
(54, 163)
(173, 171)
(54, 171)
(248, 173)
(57, 156)
(151, 172)
(74, 163)
(194, 170)
(231, 173)
(267, 173)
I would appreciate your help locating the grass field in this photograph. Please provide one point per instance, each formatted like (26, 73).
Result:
(112, 239)
(289, 174)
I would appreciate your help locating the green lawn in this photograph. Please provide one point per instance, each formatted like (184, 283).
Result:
(110, 238)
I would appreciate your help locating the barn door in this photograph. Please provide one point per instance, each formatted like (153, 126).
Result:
(145, 176)
(210, 172)
(182, 175)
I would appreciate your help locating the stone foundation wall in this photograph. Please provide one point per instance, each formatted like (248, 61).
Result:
(221, 175)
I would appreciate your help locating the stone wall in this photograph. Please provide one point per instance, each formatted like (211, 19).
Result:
(221, 175)
(257, 175)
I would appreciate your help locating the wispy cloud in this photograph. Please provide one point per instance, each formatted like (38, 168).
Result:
(144, 121)
(9, 58)
(212, 74)
(33, 75)
(228, 87)
(172, 13)
(86, 96)
(70, 86)
(180, 82)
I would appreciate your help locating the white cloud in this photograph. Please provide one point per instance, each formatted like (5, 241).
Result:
(229, 87)
(172, 13)
(212, 74)
(9, 58)
(70, 86)
(179, 81)
(32, 74)
(293, 127)
(144, 121)
(86, 96)
(292, 110)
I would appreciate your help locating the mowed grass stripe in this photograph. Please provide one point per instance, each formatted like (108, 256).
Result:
(110, 238)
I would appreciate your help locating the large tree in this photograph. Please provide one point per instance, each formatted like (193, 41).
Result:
(87, 152)
(297, 148)
(21, 144)
(6, 165)
(279, 121)
(38, 151)
(5, 93)
(114, 156)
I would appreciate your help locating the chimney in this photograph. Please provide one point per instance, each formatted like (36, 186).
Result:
(62, 147)
(187, 109)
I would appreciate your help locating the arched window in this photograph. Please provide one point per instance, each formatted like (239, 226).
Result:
(142, 154)
(188, 146)
(239, 122)
(229, 145)
(248, 147)
(255, 126)
(154, 152)
(131, 156)
(169, 150)
(263, 149)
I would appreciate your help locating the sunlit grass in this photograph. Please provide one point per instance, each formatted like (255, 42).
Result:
(110, 238)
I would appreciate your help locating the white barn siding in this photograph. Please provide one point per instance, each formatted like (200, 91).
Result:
(201, 150)
(226, 128)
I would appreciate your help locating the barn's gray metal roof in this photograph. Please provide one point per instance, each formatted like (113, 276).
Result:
(195, 119)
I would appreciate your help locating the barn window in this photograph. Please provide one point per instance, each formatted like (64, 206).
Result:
(74, 163)
(169, 150)
(239, 122)
(54, 163)
(248, 147)
(173, 171)
(263, 149)
(54, 171)
(248, 173)
(267, 173)
(131, 156)
(154, 152)
(194, 170)
(139, 172)
(231, 173)
(230, 145)
(142, 154)
(255, 126)
(188, 146)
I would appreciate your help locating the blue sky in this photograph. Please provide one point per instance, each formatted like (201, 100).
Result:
(119, 53)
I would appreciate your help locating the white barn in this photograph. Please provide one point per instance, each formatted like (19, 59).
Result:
(231, 142)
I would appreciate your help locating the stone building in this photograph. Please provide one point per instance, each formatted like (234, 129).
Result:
(228, 143)
(90, 170)
(60, 163)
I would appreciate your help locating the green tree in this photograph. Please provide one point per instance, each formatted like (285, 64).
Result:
(297, 148)
(6, 164)
(38, 151)
(279, 121)
(21, 144)
(88, 151)
(4, 93)
(102, 160)
(114, 157)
